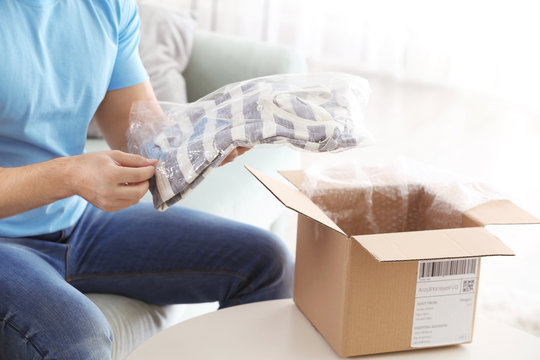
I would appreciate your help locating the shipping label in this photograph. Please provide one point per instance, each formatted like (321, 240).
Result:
(444, 304)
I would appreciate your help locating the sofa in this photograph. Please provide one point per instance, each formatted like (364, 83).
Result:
(215, 61)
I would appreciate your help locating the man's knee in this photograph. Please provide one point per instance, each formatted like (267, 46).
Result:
(275, 264)
(278, 254)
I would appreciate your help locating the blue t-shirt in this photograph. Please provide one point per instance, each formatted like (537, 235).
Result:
(58, 58)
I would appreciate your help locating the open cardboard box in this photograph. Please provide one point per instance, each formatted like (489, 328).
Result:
(387, 292)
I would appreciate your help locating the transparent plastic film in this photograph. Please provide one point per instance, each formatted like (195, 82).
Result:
(317, 112)
(404, 195)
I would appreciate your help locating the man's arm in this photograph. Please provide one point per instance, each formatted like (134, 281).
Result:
(112, 116)
(111, 180)
(28, 187)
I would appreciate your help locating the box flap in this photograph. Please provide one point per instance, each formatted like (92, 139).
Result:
(294, 199)
(433, 244)
(295, 177)
(498, 212)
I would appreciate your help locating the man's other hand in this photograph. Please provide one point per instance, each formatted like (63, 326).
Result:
(234, 154)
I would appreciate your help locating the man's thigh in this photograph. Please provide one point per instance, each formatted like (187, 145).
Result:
(177, 256)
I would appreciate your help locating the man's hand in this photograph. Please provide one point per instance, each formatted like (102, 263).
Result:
(111, 180)
(234, 154)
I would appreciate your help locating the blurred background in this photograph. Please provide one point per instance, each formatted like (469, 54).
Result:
(455, 84)
(488, 46)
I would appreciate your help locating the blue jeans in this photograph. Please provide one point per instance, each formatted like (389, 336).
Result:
(178, 256)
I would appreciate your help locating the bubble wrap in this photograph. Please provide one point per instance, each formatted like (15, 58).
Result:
(404, 195)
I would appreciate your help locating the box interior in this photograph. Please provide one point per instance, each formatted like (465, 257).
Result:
(386, 209)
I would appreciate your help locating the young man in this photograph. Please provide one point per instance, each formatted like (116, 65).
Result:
(71, 222)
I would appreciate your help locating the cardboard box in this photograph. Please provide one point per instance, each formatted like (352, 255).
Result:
(375, 293)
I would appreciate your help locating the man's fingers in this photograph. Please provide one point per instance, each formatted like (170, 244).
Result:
(135, 174)
(131, 160)
(125, 196)
(134, 192)
(234, 154)
(242, 150)
(132, 168)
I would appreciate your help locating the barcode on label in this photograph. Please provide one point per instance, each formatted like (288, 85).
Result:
(446, 267)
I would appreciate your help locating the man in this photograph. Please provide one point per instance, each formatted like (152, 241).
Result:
(71, 222)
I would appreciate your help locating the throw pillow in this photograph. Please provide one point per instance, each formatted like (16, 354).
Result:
(165, 48)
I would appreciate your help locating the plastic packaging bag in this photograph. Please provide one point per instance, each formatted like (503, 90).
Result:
(314, 111)
(404, 195)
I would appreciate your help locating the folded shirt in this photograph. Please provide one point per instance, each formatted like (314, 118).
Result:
(315, 111)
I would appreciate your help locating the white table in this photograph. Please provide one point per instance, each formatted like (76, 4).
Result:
(278, 330)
